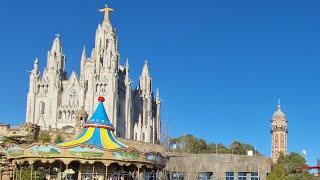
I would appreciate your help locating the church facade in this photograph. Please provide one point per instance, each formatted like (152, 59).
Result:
(54, 98)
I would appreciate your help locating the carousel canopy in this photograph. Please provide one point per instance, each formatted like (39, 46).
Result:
(98, 131)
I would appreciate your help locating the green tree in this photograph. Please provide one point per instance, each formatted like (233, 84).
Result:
(39, 173)
(277, 173)
(44, 137)
(191, 144)
(5, 140)
(286, 168)
(58, 139)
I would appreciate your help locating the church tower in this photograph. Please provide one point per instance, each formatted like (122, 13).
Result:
(57, 100)
(279, 132)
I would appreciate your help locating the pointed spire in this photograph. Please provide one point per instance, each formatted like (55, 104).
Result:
(36, 61)
(84, 54)
(279, 105)
(36, 66)
(127, 78)
(145, 70)
(145, 81)
(57, 47)
(127, 64)
(83, 57)
(158, 96)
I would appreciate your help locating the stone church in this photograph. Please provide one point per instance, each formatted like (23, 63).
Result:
(55, 98)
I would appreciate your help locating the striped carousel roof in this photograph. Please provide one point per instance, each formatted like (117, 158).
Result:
(98, 131)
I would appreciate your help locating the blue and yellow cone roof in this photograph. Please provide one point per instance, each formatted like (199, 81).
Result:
(98, 131)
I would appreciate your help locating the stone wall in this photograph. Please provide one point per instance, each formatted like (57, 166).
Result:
(28, 132)
(218, 164)
(143, 146)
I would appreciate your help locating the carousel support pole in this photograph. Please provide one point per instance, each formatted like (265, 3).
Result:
(92, 171)
(31, 171)
(16, 172)
(35, 174)
(67, 167)
(139, 174)
(122, 174)
(20, 172)
(106, 172)
(50, 170)
(60, 170)
(96, 173)
(79, 174)
(13, 172)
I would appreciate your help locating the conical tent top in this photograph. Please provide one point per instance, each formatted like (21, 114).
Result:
(98, 131)
(100, 118)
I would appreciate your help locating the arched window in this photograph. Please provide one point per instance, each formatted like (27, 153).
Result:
(73, 98)
(143, 137)
(60, 114)
(42, 108)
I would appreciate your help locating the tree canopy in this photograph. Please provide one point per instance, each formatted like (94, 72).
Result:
(58, 139)
(191, 144)
(44, 137)
(287, 168)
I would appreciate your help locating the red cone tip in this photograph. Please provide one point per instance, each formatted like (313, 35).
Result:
(101, 99)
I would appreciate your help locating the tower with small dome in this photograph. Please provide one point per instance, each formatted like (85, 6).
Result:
(279, 133)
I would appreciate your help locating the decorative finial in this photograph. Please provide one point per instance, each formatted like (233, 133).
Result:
(127, 66)
(36, 61)
(127, 62)
(279, 105)
(106, 10)
(101, 99)
(83, 55)
(57, 35)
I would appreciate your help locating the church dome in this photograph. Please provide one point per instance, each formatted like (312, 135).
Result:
(279, 113)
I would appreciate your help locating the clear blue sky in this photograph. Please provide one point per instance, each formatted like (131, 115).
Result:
(220, 65)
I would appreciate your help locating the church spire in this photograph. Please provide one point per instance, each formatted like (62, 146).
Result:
(127, 65)
(83, 61)
(83, 56)
(56, 58)
(279, 105)
(127, 78)
(158, 96)
(145, 70)
(36, 67)
(145, 81)
(57, 47)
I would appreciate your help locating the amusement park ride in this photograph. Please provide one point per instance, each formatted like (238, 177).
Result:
(317, 167)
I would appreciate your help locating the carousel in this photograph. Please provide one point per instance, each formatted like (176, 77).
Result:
(96, 154)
